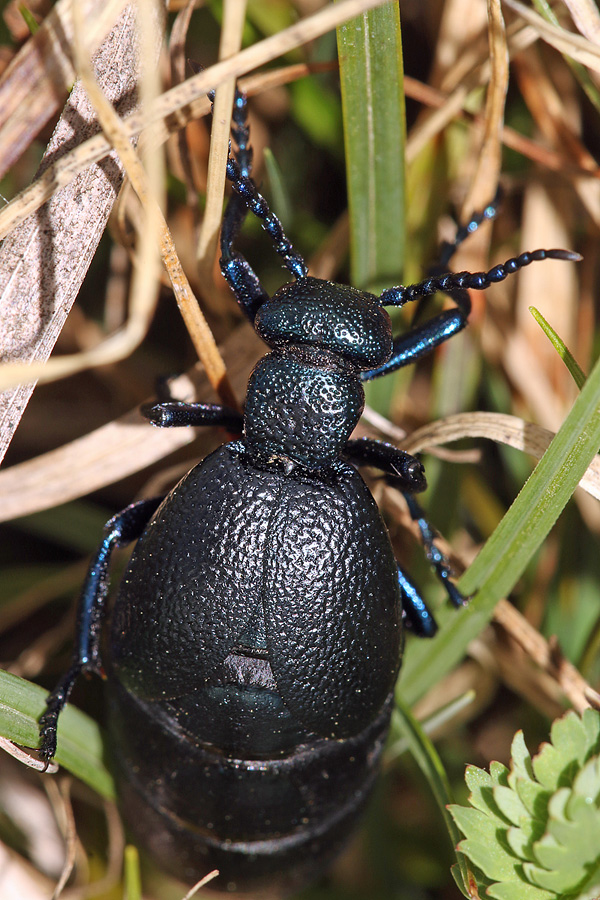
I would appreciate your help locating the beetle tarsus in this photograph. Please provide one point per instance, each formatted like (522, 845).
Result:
(435, 556)
(415, 611)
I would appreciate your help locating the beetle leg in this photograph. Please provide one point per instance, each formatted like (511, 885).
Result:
(418, 342)
(422, 339)
(435, 556)
(414, 609)
(406, 474)
(175, 413)
(167, 412)
(123, 528)
(405, 470)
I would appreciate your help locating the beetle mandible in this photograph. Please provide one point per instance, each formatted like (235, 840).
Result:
(256, 636)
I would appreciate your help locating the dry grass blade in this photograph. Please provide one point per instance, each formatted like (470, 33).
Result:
(231, 40)
(32, 762)
(563, 677)
(526, 146)
(485, 181)
(504, 429)
(573, 45)
(149, 189)
(189, 96)
(587, 18)
(116, 450)
(177, 58)
(572, 684)
(144, 292)
(200, 884)
(478, 74)
(70, 834)
(547, 107)
(69, 451)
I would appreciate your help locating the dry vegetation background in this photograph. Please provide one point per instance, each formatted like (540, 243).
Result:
(81, 451)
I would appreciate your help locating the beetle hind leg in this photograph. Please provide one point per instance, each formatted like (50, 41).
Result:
(123, 528)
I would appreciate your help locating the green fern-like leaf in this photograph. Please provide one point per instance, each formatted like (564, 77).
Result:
(533, 831)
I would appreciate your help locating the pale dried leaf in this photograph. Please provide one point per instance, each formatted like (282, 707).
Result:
(40, 76)
(573, 45)
(43, 262)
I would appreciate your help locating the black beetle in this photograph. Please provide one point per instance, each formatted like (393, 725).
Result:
(256, 635)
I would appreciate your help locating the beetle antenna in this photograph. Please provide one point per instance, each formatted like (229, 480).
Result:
(477, 281)
(239, 172)
(244, 186)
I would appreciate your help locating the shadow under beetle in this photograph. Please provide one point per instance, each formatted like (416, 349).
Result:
(256, 636)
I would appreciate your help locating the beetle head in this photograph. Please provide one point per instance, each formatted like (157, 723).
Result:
(331, 316)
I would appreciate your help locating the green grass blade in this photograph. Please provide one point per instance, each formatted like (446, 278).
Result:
(80, 739)
(133, 876)
(429, 762)
(371, 75)
(504, 557)
(29, 19)
(561, 348)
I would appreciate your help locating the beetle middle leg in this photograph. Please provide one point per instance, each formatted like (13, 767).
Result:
(406, 474)
(119, 531)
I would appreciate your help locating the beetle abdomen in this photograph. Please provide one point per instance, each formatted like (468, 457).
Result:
(253, 749)
(267, 825)
(240, 560)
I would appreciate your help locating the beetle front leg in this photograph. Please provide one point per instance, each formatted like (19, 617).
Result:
(177, 413)
(123, 528)
(422, 339)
